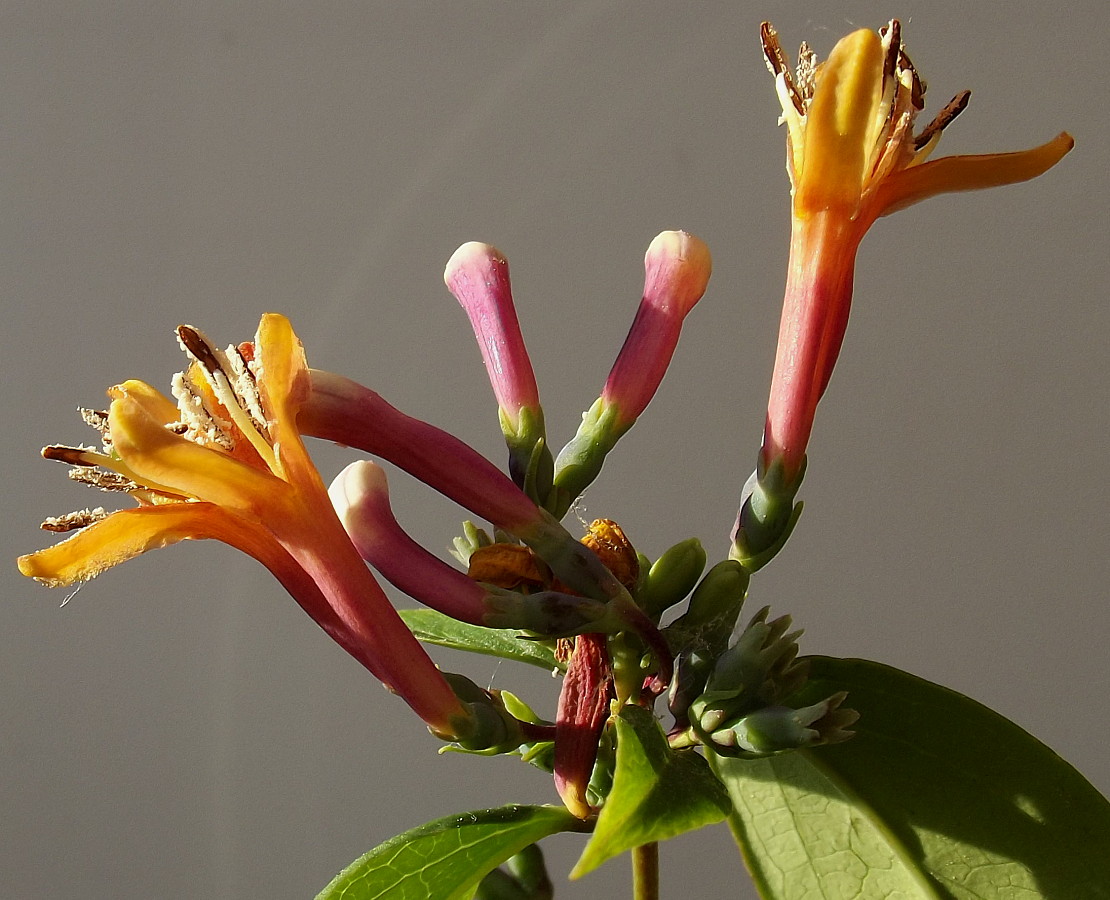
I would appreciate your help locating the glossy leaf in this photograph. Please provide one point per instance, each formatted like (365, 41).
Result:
(935, 797)
(435, 628)
(658, 793)
(446, 859)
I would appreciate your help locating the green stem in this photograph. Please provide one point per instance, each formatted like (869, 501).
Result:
(645, 872)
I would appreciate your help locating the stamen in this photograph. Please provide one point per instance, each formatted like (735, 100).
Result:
(806, 72)
(95, 418)
(943, 119)
(246, 387)
(74, 456)
(198, 423)
(198, 347)
(98, 478)
(892, 42)
(83, 457)
(74, 520)
(917, 92)
(779, 65)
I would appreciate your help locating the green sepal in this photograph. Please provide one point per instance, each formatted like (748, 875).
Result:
(447, 858)
(434, 627)
(491, 729)
(549, 614)
(767, 515)
(935, 797)
(530, 464)
(658, 793)
(580, 461)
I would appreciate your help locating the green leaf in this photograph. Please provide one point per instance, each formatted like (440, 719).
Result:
(658, 793)
(445, 859)
(436, 628)
(935, 797)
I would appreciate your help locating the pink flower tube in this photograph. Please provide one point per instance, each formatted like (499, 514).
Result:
(478, 276)
(340, 410)
(360, 496)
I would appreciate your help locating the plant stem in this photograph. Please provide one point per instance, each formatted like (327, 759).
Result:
(645, 872)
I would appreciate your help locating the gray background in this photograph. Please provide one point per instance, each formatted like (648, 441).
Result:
(179, 728)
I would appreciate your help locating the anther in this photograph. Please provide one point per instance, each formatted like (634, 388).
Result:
(943, 119)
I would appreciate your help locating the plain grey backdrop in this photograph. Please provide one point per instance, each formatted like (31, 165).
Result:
(179, 728)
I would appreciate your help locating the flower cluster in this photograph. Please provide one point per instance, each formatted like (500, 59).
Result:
(225, 459)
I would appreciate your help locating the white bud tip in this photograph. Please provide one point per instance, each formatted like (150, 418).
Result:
(360, 482)
(470, 256)
(681, 261)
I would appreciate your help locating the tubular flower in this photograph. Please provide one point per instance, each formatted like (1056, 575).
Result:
(852, 156)
(478, 276)
(677, 267)
(227, 463)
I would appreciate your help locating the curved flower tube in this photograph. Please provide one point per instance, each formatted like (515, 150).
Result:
(360, 495)
(227, 463)
(340, 410)
(852, 156)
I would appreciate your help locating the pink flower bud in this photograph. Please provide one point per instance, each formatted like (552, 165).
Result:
(677, 267)
(478, 275)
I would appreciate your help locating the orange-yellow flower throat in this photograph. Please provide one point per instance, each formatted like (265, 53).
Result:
(852, 145)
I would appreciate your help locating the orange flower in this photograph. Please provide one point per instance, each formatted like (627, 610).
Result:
(226, 462)
(852, 156)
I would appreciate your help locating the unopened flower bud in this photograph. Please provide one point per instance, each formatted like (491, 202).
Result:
(478, 275)
(775, 729)
(715, 604)
(671, 577)
(677, 268)
(758, 671)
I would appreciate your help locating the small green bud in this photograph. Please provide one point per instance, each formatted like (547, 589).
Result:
(470, 540)
(524, 877)
(671, 577)
(714, 607)
(498, 884)
(775, 729)
(691, 670)
(717, 599)
(758, 671)
(528, 868)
